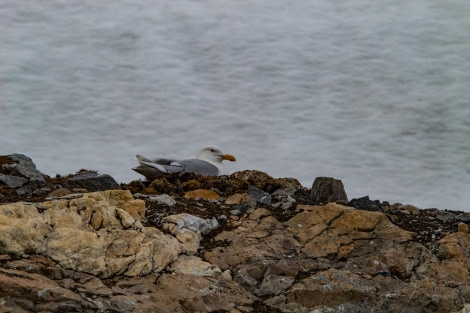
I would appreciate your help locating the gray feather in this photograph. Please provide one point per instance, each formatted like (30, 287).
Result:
(156, 168)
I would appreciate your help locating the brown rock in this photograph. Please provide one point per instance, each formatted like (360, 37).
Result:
(60, 192)
(431, 297)
(42, 293)
(206, 293)
(191, 265)
(241, 198)
(332, 288)
(454, 246)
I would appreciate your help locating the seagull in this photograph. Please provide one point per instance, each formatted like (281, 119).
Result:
(208, 162)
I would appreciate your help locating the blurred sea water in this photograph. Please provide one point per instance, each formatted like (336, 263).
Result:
(374, 94)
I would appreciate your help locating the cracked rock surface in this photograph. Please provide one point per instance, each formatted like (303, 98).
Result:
(232, 251)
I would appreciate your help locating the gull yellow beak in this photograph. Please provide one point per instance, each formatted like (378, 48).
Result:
(228, 157)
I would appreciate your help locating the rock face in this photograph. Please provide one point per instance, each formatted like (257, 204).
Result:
(260, 247)
(93, 253)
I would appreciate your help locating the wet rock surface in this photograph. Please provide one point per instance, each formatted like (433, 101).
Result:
(240, 243)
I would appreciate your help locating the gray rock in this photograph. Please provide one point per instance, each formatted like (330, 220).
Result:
(446, 217)
(193, 223)
(26, 167)
(236, 212)
(38, 192)
(92, 181)
(274, 284)
(12, 181)
(366, 204)
(286, 206)
(245, 280)
(328, 189)
(24, 192)
(464, 218)
(284, 192)
(259, 195)
(163, 199)
(242, 208)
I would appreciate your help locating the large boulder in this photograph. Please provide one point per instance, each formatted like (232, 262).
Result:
(93, 234)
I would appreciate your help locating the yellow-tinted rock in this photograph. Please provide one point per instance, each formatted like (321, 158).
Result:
(202, 193)
(22, 229)
(86, 235)
(463, 228)
(453, 246)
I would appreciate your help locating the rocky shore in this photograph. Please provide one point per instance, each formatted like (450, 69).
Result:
(240, 243)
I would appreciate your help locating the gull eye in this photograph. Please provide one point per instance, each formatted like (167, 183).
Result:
(212, 150)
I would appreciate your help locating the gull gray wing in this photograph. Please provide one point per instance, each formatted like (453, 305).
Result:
(199, 167)
(153, 169)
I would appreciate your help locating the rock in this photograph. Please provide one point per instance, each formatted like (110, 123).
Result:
(189, 240)
(24, 192)
(12, 181)
(327, 189)
(259, 195)
(464, 217)
(163, 199)
(92, 181)
(454, 246)
(193, 223)
(42, 293)
(273, 284)
(121, 199)
(23, 229)
(60, 192)
(332, 288)
(366, 204)
(207, 294)
(87, 235)
(105, 251)
(191, 265)
(203, 194)
(25, 167)
(262, 181)
(26, 288)
(284, 192)
(241, 198)
(463, 228)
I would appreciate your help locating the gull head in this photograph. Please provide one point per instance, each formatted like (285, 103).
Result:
(214, 154)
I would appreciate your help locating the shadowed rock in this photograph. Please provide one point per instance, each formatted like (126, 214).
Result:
(92, 181)
(366, 204)
(12, 181)
(328, 189)
(26, 167)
